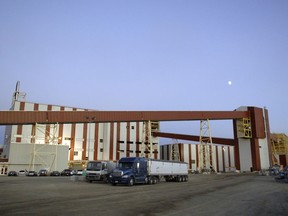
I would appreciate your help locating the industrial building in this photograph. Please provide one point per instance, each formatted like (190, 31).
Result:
(77, 135)
(84, 141)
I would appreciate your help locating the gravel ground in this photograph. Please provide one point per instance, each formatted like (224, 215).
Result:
(215, 194)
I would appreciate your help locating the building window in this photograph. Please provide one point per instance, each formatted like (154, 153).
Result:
(101, 140)
(132, 127)
(75, 153)
(101, 149)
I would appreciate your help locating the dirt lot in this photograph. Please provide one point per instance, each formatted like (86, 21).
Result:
(224, 194)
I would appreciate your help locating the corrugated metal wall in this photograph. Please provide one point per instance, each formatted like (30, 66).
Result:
(222, 156)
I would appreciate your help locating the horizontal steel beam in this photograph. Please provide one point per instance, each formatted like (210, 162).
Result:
(66, 117)
(215, 140)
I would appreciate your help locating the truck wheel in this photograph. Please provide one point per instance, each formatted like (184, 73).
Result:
(155, 181)
(105, 179)
(131, 181)
(150, 181)
(146, 180)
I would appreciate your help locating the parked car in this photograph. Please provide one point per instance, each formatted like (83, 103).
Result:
(22, 172)
(79, 172)
(55, 173)
(67, 172)
(32, 173)
(43, 172)
(12, 173)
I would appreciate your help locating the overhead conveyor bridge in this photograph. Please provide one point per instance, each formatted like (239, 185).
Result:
(66, 117)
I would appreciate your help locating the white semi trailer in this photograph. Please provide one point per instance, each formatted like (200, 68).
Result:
(134, 170)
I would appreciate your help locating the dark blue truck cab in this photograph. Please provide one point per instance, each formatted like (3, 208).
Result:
(130, 171)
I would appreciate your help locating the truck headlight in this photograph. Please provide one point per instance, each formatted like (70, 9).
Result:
(125, 176)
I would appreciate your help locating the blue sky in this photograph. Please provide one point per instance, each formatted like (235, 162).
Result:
(148, 55)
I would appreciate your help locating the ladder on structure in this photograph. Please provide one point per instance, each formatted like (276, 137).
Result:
(205, 152)
(174, 151)
(147, 145)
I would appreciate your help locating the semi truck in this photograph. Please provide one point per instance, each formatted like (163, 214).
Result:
(137, 170)
(99, 170)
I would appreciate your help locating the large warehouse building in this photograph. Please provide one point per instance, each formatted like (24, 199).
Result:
(73, 143)
(89, 141)
(94, 141)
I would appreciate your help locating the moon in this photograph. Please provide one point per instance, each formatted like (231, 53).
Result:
(229, 82)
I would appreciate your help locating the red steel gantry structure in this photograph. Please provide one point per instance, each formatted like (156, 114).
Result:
(258, 124)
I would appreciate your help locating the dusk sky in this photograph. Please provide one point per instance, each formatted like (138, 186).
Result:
(148, 55)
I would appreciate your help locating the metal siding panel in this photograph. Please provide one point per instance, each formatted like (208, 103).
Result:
(217, 158)
(220, 161)
(245, 154)
(232, 157)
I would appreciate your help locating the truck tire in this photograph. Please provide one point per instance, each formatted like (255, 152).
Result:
(131, 181)
(105, 179)
(150, 181)
(155, 180)
(146, 180)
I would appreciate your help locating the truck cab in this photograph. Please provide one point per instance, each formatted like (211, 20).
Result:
(130, 171)
(99, 170)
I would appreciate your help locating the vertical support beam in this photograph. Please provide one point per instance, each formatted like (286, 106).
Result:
(147, 145)
(61, 126)
(118, 141)
(258, 127)
(86, 138)
(236, 146)
(20, 127)
(33, 130)
(217, 159)
(206, 153)
(96, 138)
(137, 139)
(267, 126)
(48, 126)
(128, 139)
(190, 156)
(223, 159)
(111, 149)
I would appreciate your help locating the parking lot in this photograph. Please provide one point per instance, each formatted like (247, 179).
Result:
(222, 194)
